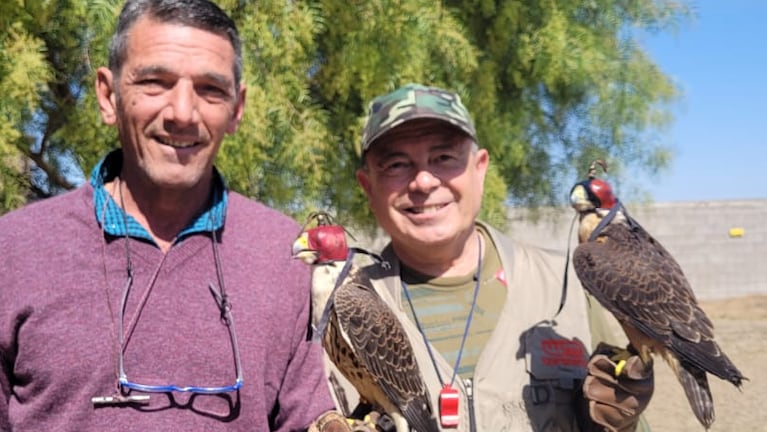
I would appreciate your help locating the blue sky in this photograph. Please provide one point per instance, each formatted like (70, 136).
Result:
(719, 60)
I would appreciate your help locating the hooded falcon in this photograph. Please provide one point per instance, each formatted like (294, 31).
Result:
(633, 276)
(359, 332)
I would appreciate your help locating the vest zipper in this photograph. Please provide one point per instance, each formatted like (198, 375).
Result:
(469, 385)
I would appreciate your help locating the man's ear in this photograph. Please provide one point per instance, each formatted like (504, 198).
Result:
(363, 180)
(239, 109)
(106, 96)
(482, 160)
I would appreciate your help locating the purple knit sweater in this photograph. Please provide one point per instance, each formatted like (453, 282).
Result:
(57, 336)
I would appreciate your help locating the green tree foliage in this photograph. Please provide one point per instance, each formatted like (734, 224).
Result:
(48, 123)
(552, 84)
(23, 74)
(563, 82)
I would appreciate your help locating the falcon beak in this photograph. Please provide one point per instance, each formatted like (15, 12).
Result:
(579, 199)
(301, 250)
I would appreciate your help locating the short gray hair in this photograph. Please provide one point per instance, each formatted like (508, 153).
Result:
(200, 14)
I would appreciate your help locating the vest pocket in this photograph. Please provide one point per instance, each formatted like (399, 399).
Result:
(556, 367)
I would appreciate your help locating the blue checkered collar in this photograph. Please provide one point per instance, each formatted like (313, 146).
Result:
(109, 214)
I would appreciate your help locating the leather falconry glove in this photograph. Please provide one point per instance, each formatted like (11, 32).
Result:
(333, 421)
(618, 387)
(330, 421)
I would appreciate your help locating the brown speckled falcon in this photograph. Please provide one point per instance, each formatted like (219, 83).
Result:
(633, 276)
(359, 332)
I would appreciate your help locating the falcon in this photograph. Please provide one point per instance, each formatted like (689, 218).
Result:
(359, 332)
(633, 276)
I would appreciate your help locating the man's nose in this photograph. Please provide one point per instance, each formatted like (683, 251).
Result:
(424, 181)
(183, 106)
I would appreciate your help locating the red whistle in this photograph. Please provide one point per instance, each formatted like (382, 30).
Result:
(448, 407)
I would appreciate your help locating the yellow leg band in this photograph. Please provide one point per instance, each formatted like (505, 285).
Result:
(619, 367)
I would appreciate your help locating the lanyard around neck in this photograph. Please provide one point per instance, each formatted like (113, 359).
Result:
(468, 319)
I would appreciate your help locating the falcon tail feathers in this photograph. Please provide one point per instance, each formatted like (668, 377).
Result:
(696, 388)
(419, 416)
(708, 356)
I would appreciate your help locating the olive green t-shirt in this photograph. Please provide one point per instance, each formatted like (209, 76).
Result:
(442, 307)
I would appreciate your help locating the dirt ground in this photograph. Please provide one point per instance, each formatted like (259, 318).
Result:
(740, 326)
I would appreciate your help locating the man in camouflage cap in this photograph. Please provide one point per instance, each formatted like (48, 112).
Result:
(484, 302)
(412, 122)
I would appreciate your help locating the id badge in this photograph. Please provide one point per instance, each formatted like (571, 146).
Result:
(448, 407)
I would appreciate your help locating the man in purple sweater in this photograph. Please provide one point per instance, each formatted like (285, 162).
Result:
(119, 300)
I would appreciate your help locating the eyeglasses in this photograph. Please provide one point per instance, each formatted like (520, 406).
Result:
(228, 320)
(219, 295)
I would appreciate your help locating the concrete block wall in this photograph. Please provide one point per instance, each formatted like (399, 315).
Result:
(720, 245)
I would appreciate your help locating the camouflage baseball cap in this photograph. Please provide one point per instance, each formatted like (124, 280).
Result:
(414, 101)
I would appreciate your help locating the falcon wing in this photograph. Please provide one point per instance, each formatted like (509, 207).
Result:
(382, 347)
